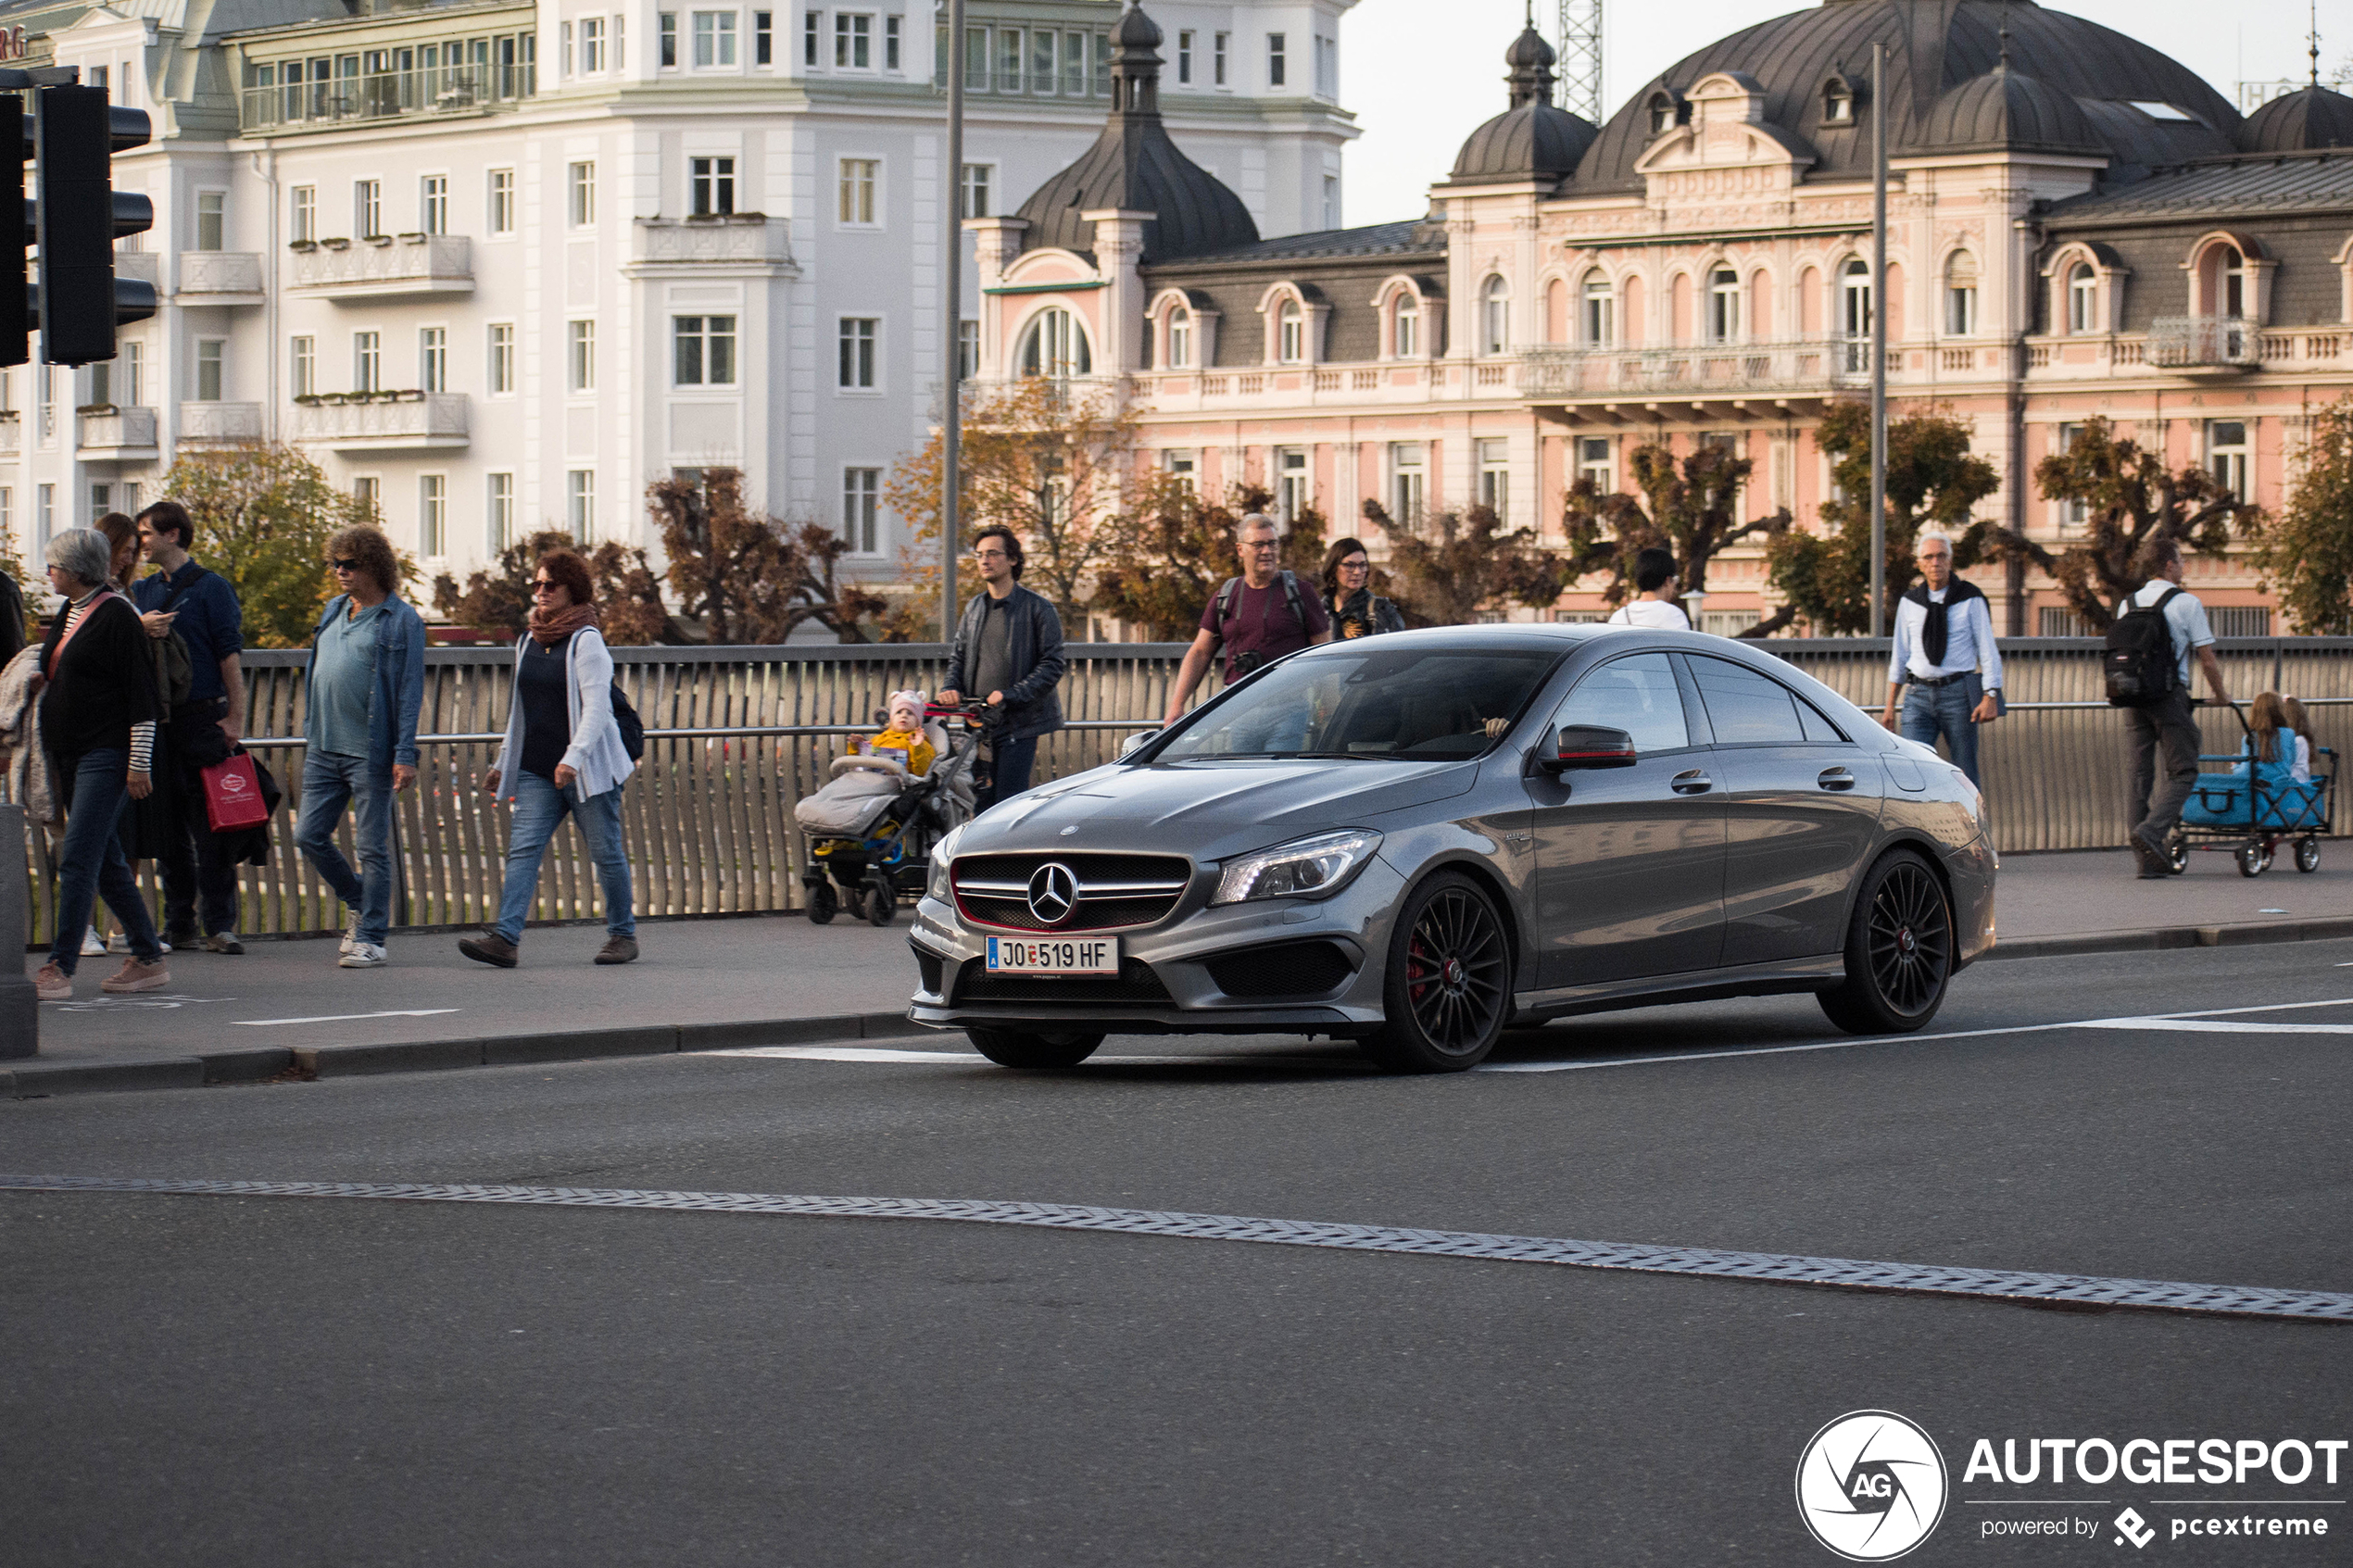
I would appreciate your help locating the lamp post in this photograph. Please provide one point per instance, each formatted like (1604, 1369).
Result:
(951, 418)
(1879, 339)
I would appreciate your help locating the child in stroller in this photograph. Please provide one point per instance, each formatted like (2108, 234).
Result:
(869, 832)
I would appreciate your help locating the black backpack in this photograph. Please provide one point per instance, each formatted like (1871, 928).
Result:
(633, 729)
(1231, 588)
(2140, 662)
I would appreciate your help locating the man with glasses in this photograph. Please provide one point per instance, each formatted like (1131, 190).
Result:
(1009, 645)
(1943, 633)
(366, 684)
(1259, 617)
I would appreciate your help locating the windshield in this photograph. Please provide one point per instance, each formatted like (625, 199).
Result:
(1415, 704)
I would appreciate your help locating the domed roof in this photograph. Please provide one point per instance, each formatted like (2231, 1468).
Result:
(1932, 47)
(2299, 121)
(2007, 110)
(1533, 139)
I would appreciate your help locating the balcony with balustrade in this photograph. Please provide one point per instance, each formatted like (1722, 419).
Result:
(384, 421)
(220, 277)
(104, 434)
(720, 240)
(220, 424)
(372, 98)
(11, 436)
(2194, 348)
(383, 267)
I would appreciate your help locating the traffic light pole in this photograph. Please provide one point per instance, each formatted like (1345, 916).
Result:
(74, 217)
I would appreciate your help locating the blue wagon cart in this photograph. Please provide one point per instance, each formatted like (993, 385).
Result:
(2248, 808)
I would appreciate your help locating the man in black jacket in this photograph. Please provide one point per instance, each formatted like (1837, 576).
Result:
(1009, 644)
(11, 620)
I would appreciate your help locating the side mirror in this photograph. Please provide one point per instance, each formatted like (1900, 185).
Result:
(1136, 742)
(1590, 746)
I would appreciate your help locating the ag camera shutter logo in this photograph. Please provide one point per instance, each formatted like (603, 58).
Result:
(1871, 1485)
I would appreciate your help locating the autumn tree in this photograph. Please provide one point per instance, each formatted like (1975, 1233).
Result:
(629, 592)
(1446, 565)
(1688, 505)
(1933, 481)
(1171, 551)
(2306, 553)
(263, 514)
(738, 575)
(2129, 497)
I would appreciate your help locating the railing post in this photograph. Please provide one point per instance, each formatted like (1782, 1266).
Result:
(20, 1008)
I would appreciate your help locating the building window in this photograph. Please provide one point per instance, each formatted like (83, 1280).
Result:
(1495, 476)
(1291, 334)
(580, 509)
(432, 358)
(710, 186)
(211, 220)
(967, 349)
(303, 365)
(1184, 467)
(1854, 313)
(1184, 58)
(2232, 296)
(1055, 346)
(1275, 60)
(1593, 465)
(666, 33)
(1218, 59)
(433, 515)
(502, 201)
(1181, 339)
(976, 179)
(619, 41)
(498, 513)
(363, 490)
(134, 373)
(303, 212)
(1405, 328)
(1405, 470)
(563, 51)
(714, 38)
(368, 207)
(1662, 114)
(502, 357)
(432, 204)
(101, 384)
(581, 207)
(703, 350)
(592, 45)
(809, 24)
(861, 500)
(1838, 103)
(856, 370)
(2074, 512)
(2083, 298)
(890, 43)
(1494, 317)
(1961, 295)
(581, 363)
(367, 362)
(858, 190)
(44, 517)
(763, 38)
(1601, 313)
(1290, 483)
(1723, 306)
(853, 41)
(2226, 452)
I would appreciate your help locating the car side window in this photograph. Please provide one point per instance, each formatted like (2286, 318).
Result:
(1636, 693)
(1820, 729)
(1747, 709)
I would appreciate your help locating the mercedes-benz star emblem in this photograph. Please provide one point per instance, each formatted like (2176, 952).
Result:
(1053, 893)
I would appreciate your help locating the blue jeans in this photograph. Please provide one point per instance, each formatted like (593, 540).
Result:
(539, 807)
(1009, 773)
(1931, 710)
(330, 783)
(90, 861)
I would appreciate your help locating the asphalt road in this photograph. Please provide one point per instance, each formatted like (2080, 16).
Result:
(274, 1380)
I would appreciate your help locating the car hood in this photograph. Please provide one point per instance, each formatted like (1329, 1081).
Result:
(1208, 810)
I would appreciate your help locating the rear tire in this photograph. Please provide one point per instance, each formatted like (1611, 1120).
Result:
(1448, 992)
(1899, 950)
(1021, 1048)
(2252, 858)
(882, 902)
(823, 905)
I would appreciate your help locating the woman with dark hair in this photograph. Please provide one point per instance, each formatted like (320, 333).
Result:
(146, 821)
(1356, 610)
(98, 714)
(122, 544)
(563, 753)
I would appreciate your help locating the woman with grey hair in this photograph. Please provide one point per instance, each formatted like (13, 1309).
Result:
(98, 710)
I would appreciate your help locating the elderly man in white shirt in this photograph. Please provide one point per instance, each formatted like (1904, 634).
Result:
(1944, 638)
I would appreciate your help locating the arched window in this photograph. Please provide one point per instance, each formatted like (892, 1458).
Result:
(2232, 296)
(1291, 333)
(1181, 339)
(1494, 317)
(1961, 295)
(1661, 109)
(1601, 311)
(1405, 328)
(1055, 346)
(2083, 298)
(1723, 306)
(1838, 102)
(1854, 312)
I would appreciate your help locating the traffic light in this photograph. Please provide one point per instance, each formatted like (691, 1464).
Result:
(77, 217)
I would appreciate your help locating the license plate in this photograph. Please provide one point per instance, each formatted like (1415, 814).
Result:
(1066, 955)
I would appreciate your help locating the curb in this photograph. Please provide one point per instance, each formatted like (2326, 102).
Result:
(253, 1065)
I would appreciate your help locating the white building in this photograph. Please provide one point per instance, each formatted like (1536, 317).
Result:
(505, 264)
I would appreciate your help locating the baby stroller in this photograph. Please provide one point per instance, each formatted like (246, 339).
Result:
(871, 829)
(2251, 809)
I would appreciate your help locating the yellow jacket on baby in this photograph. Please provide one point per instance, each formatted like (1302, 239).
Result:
(910, 746)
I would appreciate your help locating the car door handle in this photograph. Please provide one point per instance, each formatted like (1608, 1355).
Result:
(1692, 782)
(1835, 778)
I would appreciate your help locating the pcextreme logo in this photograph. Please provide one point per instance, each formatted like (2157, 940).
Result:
(1871, 1485)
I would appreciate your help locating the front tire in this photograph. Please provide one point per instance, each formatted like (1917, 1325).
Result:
(2307, 854)
(1448, 992)
(822, 904)
(1899, 950)
(1021, 1048)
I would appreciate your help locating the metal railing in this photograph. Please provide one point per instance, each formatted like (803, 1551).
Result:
(2182, 342)
(385, 94)
(1718, 368)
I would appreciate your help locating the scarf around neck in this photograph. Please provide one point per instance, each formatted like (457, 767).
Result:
(1956, 592)
(557, 627)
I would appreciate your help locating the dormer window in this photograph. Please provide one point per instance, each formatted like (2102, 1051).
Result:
(1838, 102)
(1662, 113)
(1291, 333)
(1406, 337)
(1181, 339)
(2083, 298)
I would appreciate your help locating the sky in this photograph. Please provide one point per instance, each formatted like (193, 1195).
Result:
(1421, 75)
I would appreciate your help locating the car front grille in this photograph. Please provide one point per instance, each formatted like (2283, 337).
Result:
(1134, 982)
(1114, 891)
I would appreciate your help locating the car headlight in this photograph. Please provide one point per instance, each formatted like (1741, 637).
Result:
(940, 852)
(1309, 868)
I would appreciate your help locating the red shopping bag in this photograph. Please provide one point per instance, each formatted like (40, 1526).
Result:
(232, 795)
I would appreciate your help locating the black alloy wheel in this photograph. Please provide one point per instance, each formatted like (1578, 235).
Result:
(1022, 1047)
(1448, 993)
(823, 905)
(1899, 950)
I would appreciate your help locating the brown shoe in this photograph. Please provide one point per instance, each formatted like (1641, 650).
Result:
(53, 984)
(490, 948)
(136, 976)
(618, 949)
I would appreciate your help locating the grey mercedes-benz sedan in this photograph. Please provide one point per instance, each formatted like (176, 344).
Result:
(1418, 840)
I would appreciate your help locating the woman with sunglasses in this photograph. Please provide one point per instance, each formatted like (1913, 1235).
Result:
(563, 753)
(1356, 610)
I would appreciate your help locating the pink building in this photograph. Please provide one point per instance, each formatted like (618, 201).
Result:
(2079, 225)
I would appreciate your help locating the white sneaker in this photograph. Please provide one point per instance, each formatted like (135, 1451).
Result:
(119, 943)
(93, 945)
(350, 936)
(362, 955)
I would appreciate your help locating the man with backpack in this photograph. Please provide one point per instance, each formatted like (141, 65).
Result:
(2148, 675)
(183, 601)
(1259, 617)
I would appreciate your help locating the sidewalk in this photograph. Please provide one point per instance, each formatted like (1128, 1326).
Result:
(708, 984)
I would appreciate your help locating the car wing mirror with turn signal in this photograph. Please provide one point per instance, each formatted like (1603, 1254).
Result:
(1589, 746)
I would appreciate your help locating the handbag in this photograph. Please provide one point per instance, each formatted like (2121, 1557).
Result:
(232, 797)
(632, 727)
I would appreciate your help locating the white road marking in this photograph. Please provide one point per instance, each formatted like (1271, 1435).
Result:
(845, 1053)
(2214, 1026)
(348, 1017)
